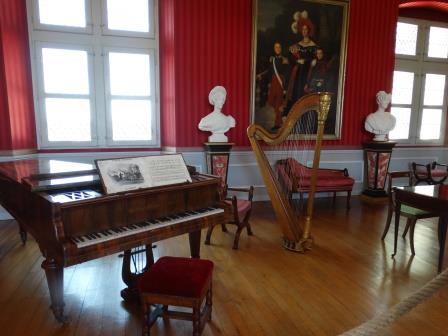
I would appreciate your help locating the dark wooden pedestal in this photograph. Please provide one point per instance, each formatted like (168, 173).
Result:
(377, 157)
(217, 156)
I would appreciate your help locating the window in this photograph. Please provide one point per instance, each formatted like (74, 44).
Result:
(94, 72)
(419, 94)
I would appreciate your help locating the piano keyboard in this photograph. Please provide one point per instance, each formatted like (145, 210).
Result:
(115, 233)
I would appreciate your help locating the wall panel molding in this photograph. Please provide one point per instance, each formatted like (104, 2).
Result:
(243, 168)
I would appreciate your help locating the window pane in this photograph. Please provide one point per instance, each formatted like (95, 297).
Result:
(438, 42)
(431, 121)
(70, 13)
(406, 39)
(402, 87)
(403, 116)
(434, 89)
(129, 15)
(129, 74)
(131, 119)
(68, 119)
(65, 71)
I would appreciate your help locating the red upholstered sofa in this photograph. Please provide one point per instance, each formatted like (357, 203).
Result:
(296, 178)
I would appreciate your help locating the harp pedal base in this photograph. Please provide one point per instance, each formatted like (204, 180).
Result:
(300, 246)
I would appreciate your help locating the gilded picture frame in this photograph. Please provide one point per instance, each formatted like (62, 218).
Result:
(298, 47)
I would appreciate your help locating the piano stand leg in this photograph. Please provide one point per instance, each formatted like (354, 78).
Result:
(195, 243)
(23, 236)
(55, 281)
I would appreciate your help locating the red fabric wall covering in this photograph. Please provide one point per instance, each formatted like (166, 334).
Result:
(212, 47)
(5, 127)
(167, 69)
(17, 73)
(369, 66)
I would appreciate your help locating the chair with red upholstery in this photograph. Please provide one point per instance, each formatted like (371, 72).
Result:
(431, 173)
(296, 178)
(174, 281)
(241, 209)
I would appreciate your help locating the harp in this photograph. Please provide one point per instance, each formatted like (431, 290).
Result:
(303, 117)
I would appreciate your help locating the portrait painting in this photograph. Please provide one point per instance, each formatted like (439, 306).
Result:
(299, 48)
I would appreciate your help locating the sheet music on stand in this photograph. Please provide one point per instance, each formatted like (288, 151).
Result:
(125, 174)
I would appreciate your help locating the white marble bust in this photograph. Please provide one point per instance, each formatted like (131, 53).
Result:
(380, 122)
(217, 122)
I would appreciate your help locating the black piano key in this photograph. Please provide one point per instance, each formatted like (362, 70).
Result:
(81, 239)
(153, 221)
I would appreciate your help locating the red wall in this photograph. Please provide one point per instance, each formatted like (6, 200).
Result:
(211, 45)
(203, 43)
(17, 125)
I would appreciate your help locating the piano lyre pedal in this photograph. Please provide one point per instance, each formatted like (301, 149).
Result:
(73, 221)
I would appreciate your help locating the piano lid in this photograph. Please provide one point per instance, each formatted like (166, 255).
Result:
(42, 172)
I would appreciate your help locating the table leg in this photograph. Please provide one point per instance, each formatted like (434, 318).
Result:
(195, 243)
(443, 222)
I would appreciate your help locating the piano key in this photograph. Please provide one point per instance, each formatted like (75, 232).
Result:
(116, 233)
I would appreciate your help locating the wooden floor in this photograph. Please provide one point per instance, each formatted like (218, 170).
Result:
(260, 289)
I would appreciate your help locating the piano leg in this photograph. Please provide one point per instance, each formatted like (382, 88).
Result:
(55, 281)
(23, 233)
(195, 243)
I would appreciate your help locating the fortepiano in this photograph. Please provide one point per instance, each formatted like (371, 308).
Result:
(63, 206)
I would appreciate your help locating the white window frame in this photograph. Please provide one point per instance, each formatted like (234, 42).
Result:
(109, 96)
(420, 65)
(41, 95)
(42, 26)
(114, 32)
(97, 43)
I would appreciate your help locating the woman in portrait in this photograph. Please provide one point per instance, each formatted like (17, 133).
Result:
(302, 55)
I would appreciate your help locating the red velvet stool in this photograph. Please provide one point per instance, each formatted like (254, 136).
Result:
(174, 281)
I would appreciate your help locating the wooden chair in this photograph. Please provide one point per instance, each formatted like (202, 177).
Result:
(412, 214)
(241, 209)
(174, 281)
(431, 173)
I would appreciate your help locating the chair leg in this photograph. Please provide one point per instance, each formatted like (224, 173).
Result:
(349, 194)
(196, 321)
(411, 235)
(209, 302)
(237, 236)
(397, 225)
(224, 228)
(249, 229)
(406, 228)
(388, 221)
(334, 197)
(209, 235)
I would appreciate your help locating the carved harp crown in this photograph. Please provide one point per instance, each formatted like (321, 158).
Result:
(281, 182)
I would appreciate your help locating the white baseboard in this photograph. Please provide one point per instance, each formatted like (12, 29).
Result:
(243, 168)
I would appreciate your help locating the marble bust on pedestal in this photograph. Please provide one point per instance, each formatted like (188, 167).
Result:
(380, 122)
(217, 122)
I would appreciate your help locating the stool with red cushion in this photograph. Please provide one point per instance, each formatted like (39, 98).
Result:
(296, 178)
(174, 281)
(431, 173)
(241, 209)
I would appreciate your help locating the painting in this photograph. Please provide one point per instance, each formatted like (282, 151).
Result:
(299, 48)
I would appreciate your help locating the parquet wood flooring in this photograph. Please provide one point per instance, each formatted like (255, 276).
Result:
(259, 289)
